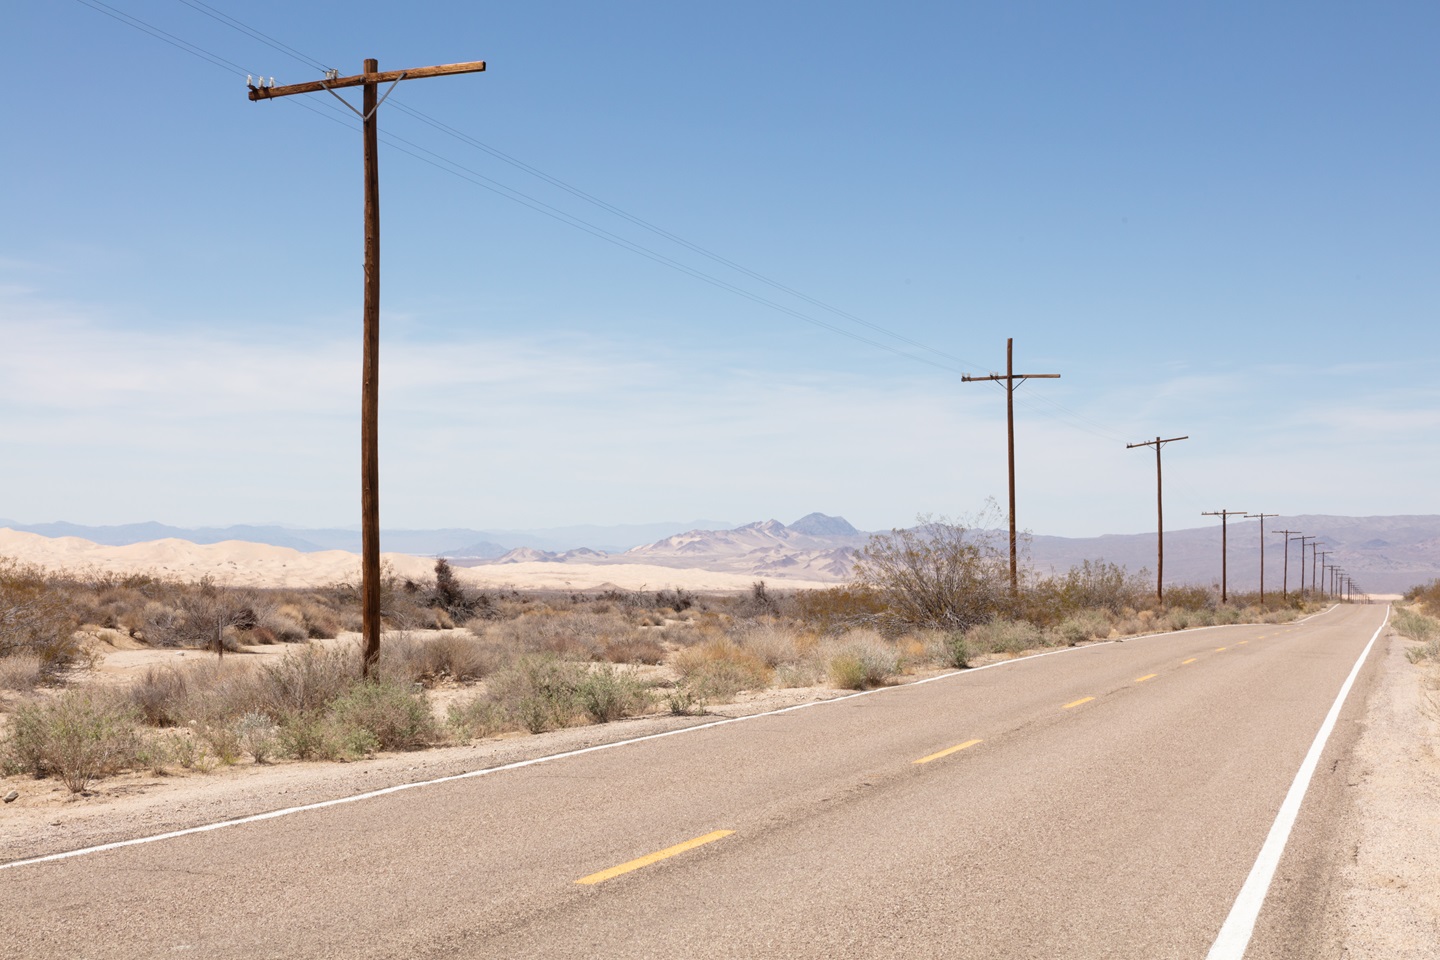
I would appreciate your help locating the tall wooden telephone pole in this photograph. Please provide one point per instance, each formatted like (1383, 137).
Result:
(1009, 377)
(1157, 443)
(1224, 516)
(370, 376)
(1261, 517)
(1285, 573)
(1302, 538)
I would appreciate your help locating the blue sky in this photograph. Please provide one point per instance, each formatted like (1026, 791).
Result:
(1217, 221)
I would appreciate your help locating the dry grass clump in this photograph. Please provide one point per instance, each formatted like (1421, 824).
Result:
(77, 736)
(861, 659)
(21, 672)
(541, 692)
(718, 669)
(1424, 630)
(449, 656)
(1010, 637)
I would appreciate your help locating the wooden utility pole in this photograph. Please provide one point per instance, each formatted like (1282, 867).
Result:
(1009, 377)
(1261, 517)
(370, 80)
(1314, 565)
(1302, 538)
(1157, 443)
(1320, 584)
(1285, 573)
(1224, 516)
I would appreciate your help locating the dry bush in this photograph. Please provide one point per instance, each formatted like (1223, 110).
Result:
(35, 616)
(718, 669)
(772, 643)
(453, 656)
(474, 718)
(1082, 626)
(21, 672)
(1004, 637)
(539, 692)
(939, 574)
(861, 659)
(636, 646)
(78, 736)
(839, 607)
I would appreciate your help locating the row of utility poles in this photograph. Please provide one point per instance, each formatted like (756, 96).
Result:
(1330, 580)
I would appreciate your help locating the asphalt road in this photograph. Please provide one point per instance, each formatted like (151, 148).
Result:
(1107, 801)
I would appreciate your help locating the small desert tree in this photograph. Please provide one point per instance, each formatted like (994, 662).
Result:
(939, 574)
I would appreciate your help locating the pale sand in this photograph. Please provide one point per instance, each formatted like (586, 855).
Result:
(241, 564)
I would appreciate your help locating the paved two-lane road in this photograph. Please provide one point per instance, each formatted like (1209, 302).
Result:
(1107, 801)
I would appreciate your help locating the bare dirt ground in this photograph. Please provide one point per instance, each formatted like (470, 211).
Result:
(1391, 900)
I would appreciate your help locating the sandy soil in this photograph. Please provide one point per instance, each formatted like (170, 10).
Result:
(1391, 901)
(242, 564)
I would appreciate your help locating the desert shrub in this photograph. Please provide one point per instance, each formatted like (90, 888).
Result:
(839, 606)
(634, 646)
(1427, 595)
(475, 718)
(606, 694)
(222, 741)
(22, 671)
(396, 715)
(770, 642)
(1004, 636)
(258, 735)
(1079, 627)
(718, 669)
(1415, 625)
(78, 736)
(452, 655)
(35, 616)
(1189, 598)
(1092, 586)
(539, 691)
(305, 680)
(161, 696)
(938, 574)
(861, 659)
(318, 736)
(953, 648)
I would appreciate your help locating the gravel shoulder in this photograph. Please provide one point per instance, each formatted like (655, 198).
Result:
(1390, 900)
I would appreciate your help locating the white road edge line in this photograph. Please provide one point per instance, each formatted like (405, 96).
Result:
(471, 774)
(1239, 926)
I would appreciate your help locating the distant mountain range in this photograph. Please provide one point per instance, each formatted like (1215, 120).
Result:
(447, 542)
(1383, 554)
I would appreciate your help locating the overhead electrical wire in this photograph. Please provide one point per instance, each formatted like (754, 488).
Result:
(1038, 404)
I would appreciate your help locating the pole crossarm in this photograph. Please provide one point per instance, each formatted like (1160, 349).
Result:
(1007, 379)
(1158, 443)
(370, 79)
(1224, 516)
(1261, 517)
(360, 79)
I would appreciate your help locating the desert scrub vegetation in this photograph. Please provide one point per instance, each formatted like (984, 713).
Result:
(1421, 628)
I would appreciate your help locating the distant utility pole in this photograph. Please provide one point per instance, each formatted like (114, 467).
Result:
(1315, 554)
(1009, 377)
(1224, 516)
(1157, 443)
(1302, 538)
(1261, 517)
(370, 377)
(1285, 573)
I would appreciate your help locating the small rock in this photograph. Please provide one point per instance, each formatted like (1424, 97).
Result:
(12, 796)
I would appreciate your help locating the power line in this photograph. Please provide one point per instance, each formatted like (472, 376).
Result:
(251, 32)
(575, 191)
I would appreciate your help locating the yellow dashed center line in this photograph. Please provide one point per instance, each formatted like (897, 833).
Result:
(1191, 660)
(1148, 676)
(655, 857)
(947, 751)
(1243, 642)
(1076, 703)
(1221, 649)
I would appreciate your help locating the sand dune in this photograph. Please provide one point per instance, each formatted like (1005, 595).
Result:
(239, 563)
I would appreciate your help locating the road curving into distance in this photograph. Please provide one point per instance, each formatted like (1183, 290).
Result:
(1107, 801)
